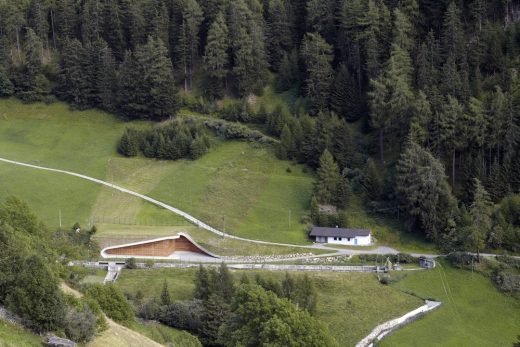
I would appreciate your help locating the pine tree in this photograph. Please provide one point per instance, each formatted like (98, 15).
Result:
(216, 52)
(278, 35)
(317, 55)
(373, 182)
(288, 72)
(37, 18)
(71, 79)
(6, 86)
(204, 288)
(344, 98)
(147, 86)
(320, 18)
(286, 146)
(421, 182)
(328, 179)
(112, 29)
(165, 295)
(314, 210)
(188, 39)
(480, 211)
(450, 120)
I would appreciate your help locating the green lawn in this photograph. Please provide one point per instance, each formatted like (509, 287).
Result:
(237, 186)
(352, 304)
(473, 312)
(165, 335)
(14, 336)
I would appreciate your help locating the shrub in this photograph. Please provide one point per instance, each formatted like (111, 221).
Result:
(185, 315)
(112, 302)
(130, 263)
(80, 325)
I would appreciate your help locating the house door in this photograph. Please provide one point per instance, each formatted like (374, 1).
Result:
(355, 241)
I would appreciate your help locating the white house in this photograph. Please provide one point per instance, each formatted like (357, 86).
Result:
(342, 236)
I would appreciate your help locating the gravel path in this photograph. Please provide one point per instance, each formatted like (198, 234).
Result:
(201, 224)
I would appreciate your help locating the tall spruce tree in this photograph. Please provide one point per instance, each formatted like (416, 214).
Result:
(328, 179)
(344, 98)
(480, 211)
(317, 55)
(147, 86)
(216, 52)
(427, 197)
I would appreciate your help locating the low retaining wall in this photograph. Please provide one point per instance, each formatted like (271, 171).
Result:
(384, 329)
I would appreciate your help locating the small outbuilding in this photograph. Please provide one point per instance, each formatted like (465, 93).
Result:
(342, 236)
(426, 263)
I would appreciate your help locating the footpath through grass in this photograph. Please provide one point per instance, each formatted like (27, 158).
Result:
(473, 311)
(352, 304)
(238, 186)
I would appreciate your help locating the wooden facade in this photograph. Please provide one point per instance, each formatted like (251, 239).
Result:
(164, 247)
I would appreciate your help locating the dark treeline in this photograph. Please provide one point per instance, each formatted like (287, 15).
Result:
(432, 87)
(227, 312)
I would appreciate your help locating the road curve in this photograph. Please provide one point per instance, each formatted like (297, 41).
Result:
(197, 222)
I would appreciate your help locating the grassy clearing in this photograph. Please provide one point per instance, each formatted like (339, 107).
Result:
(351, 304)
(473, 312)
(387, 231)
(236, 186)
(15, 336)
(47, 193)
(119, 336)
(165, 335)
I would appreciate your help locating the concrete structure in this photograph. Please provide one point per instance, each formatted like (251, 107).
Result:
(384, 329)
(170, 247)
(342, 236)
(426, 263)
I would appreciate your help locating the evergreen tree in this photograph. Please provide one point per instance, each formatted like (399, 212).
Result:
(288, 72)
(128, 145)
(147, 87)
(278, 35)
(6, 86)
(188, 40)
(344, 98)
(317, 55)
(421, 182)
(216, 52)
(204, 288)
(165, 295)
(373, 182)
(328, 178)
(286, 146)
(480, 211)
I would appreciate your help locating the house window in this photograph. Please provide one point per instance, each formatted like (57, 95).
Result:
(335, 238)
(348, 239)
(339, 238)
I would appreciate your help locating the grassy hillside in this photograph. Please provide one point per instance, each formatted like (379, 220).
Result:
(14, 336)
(237, 185)
(351, 304)
(473, 312)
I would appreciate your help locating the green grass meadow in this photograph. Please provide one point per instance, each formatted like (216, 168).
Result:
(14, 336)
(237, 186)
(473, 311)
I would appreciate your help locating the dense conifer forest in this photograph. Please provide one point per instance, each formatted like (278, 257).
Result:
(412, 103)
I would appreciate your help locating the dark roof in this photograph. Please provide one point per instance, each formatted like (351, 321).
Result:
(338, 232)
